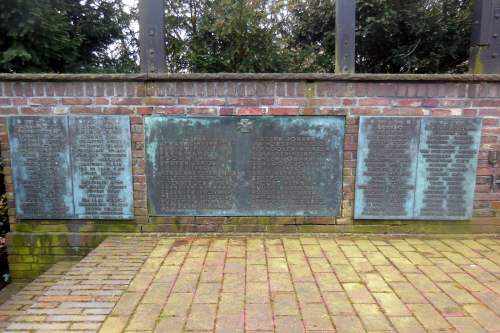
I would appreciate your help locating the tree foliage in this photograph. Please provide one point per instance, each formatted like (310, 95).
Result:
(393, 36)
(65, 36)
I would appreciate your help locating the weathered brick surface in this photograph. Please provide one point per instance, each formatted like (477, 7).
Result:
(267, 284)
(264, 97)
(219, 96)
(78, 298)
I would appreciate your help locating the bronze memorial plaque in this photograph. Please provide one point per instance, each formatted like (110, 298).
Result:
(447, 160)
(102, 166)
(244, 166)
(416, 167)
(71, 167)
(386, 167)
(41, 168)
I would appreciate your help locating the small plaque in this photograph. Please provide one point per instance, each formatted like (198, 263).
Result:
(447, 161)
(386, 167)
(41, 167)
(416, 168)
(235, 166)
(102, 167)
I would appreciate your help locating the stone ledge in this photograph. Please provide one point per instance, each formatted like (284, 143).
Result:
(254, 77)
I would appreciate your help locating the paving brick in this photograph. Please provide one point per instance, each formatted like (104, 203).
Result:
(170, 325)
(307, 292)
(228, 323)
(177, 304)
(278, 284)
(444, 304)
(207, 293)
(358, 293)
(316, 317)
(466, 325)
(285, 304)
(338, 303)
(407, 293)
(348, 324)
(257, 292)
(289, 324)
(487, 318)
(259, 317)
(391, 304)
(327, 282)
(201, 317)
(372, 318)
(407, 324)
(429, 317)
(144, 317)
(127, 303)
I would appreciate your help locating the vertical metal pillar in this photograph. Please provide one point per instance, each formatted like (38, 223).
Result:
(345, 35)
(152, 35)
(485, 38)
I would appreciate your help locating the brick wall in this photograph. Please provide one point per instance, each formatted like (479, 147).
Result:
(256, 95)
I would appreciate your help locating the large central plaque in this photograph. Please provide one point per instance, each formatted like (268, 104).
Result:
(416, 168)
(235, 166)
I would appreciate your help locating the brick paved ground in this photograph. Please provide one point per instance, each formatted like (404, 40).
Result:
(253, 284)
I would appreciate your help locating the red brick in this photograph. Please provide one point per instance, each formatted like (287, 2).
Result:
(348, 101)
(374, 102)
(119, 110)
(488, 196)
(251, 111)
(284, 111)
(226, 111)
(489, 139)
(243, 101)
(408, 102)
(486, 102)
(136, 120)
(493, 131)
(19, 101)
(35, 110)
(145, 110)
(489, 112)
(165, 110)
(470, 112)
(292, 101)
(126, 101)
(430, 103)
(7, 111)
(77, 101)
(201, 101)
(333, 111)
(366, 111)
(42, 101)
(101, 101)
(266, 101)
(454, 103)
(440, 112)
(490, 122)
(160, 101)
(202, 111)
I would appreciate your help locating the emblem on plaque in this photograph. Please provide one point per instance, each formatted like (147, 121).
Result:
(245, 125)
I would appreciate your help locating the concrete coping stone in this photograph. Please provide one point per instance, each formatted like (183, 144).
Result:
(143, 77)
